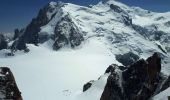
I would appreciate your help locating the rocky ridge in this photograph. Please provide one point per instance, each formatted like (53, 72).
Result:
(8, 87)
(138, 81)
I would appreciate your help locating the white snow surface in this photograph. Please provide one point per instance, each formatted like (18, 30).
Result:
(43, 74)
(163, 95)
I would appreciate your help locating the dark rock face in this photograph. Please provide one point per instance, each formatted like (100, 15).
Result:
(18, 33)
(8, 86)
(127, 58)
(134, 78)
(160, 47)
(127, 20)
(66, 32)
(60, 42)
(167, 49)
(112, 87)
(19, 42)
(31, 33)
(111, 68)
(158, 35)
(18, 45)
(43, 37)
(141, 30)
(75, 37)
(160, 18)
(152, 34)
(138, 81)
(167, 24)
(87, 86)
(116, 8)
(3, 42)
(154, 68)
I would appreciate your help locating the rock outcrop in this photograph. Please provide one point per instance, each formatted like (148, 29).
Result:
(67, 33)
(138, 81)
(127, 58)
(87, 86)
(31, 33)
(113, 85)
(18, 33)
(167, 23)
(8, 87)
(3, 42)
(44, 16)
(116, 8)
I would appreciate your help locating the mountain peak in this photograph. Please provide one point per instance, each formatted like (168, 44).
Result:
(108, 0)
(114, 2)
(55, 3)
(52, 3)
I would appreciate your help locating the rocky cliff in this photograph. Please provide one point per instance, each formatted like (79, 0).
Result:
(8, 87)
(138, 81)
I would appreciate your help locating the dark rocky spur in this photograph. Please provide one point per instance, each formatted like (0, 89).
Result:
(139, 81)
(65, 32)
(8, 87)
(3, 42)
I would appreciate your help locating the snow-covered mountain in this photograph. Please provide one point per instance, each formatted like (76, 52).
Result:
(67, 45)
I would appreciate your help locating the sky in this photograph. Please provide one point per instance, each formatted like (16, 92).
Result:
(18, 13)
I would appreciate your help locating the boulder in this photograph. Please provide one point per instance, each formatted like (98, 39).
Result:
(8, 87)
(87, 86)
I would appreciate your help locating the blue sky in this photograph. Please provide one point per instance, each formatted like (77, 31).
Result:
(18, 13)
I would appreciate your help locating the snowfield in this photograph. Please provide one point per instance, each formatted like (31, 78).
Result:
(43, 74)
(163, 95)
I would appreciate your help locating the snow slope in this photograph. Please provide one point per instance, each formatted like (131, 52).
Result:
(43, 74)
(163, 95)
